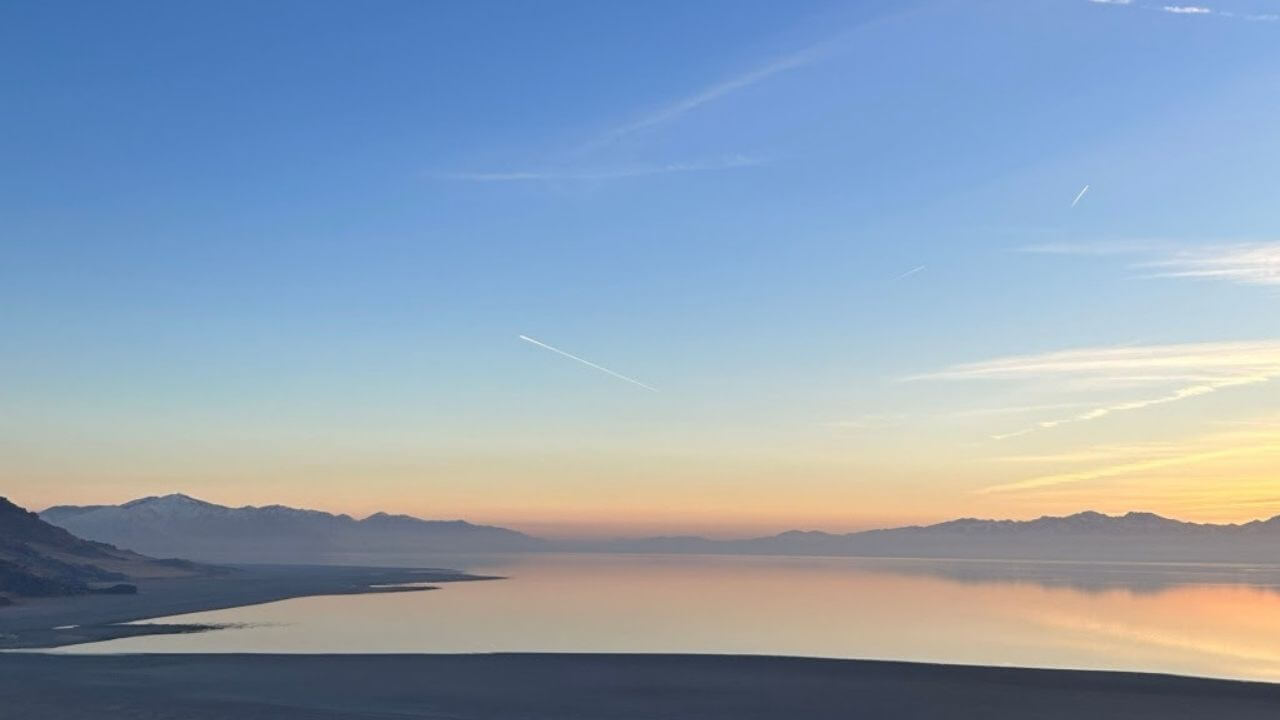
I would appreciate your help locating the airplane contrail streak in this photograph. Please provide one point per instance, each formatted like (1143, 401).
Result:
(588, 363)
(910, 272)
(1084, 190)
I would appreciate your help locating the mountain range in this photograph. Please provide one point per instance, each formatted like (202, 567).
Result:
(38, 559)
(180, 525)
(1091, 536)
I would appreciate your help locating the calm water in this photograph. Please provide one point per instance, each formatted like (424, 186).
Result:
(1197, 620)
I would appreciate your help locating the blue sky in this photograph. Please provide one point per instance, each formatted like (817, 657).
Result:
(283, 252)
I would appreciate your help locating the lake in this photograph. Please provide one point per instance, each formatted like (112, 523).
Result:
(1209, 620)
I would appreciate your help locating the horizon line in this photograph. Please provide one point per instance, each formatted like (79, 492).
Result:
(789, 529)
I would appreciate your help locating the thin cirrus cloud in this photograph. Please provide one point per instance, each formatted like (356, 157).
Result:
(1256, 263)
(1188, 360)
(1262, 440)
(1181, 393)
(1202, 10)
(662, 116)
(1180, 372)
(876, 421)
(603, 173)
(1096, 249)
(1194, 10)
(1093, 454)
(883, 421)
(1111, 471)
(712, 93)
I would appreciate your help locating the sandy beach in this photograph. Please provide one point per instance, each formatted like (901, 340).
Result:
(595, 687)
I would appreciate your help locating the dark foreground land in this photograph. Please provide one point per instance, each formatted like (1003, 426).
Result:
(56, 621)
(594, 687)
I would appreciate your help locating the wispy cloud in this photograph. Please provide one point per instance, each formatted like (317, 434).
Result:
(1202, 10)
(663, 115)
(1135, 460)
(1179, 394)
(588, 363)
(1013, 409)
(1093, 454)
(882, 421)
(1252, 17)
(614, 173)
(1119, 470)
(1254, 264)
(1163, 361)
(1184, 371)
(1193, 10)
(714, 92)
(1095, 249)
(1080, 195)
(1012, 434)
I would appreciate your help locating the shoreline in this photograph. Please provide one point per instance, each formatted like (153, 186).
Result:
(46, 623)
(565, 686)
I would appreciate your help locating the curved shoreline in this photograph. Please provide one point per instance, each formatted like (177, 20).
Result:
(59, 621)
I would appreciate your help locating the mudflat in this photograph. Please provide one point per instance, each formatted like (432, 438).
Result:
(594, 686)
(57, 621)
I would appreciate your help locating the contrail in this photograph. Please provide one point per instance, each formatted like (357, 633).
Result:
(1082, 192)
(588, 363)
(910, 272)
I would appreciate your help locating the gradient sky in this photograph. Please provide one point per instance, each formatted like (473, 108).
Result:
(284, 252)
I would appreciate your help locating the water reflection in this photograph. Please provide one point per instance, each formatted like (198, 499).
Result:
(1198, 620)
(1076, 575)
(1087, 577)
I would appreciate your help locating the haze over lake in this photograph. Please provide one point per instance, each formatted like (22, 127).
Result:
(1205, 620)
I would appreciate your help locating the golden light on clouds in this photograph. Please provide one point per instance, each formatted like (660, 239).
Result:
(1231, 474)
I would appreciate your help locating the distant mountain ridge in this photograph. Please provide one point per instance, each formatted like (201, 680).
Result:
(1089, 535)
(177, 524)
(38, 559)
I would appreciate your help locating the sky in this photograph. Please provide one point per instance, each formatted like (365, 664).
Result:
(830, 265)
